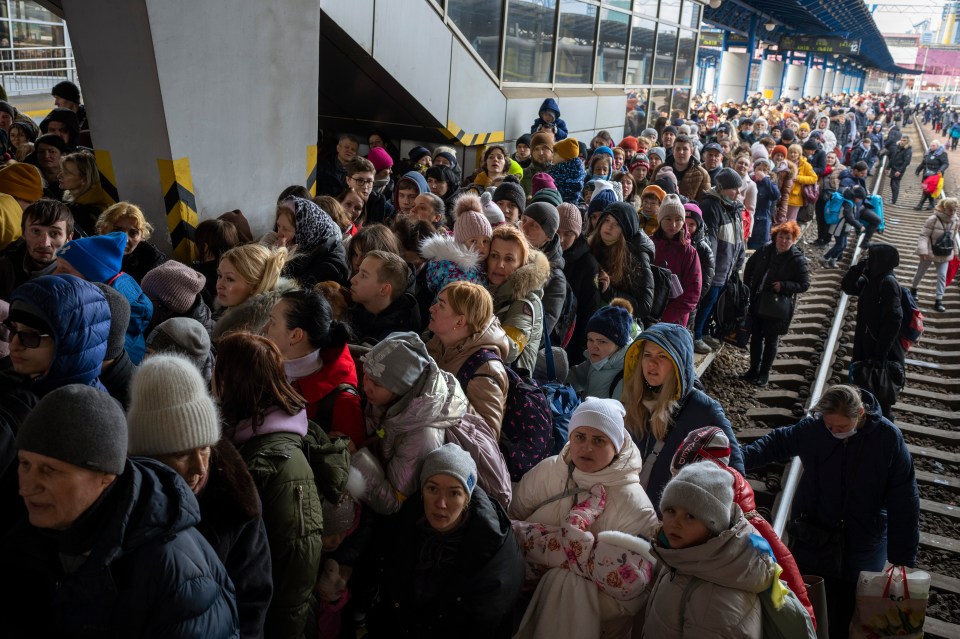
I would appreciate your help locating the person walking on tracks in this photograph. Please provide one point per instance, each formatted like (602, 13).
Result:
(934, 161)
(937, 245)
(900, 159)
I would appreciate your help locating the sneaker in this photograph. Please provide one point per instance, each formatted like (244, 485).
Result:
(701, 347)
(712, 342)
(760, 380)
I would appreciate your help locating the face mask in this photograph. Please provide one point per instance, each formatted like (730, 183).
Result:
(599, 176)
(380, 184)
(846, 435)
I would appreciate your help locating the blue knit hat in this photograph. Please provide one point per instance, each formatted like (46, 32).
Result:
(601, 200)
(97, 258)
(613, 322)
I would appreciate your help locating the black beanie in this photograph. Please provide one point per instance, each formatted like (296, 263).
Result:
(79, 425)
(119, 320)
(626, 217)
(727, 178)
(7, 108)
(546, 215)
(66, 90)
(512, 192)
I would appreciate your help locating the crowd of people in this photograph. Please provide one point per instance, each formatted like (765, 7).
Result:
(355, 419)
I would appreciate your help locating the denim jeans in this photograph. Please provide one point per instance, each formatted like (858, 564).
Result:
(703, 311)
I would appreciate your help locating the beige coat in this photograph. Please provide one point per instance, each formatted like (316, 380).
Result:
(710, 590)
(933, 230)
(487, 389)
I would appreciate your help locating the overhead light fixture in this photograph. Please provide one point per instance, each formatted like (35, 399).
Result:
(770, 26)
(715, 4)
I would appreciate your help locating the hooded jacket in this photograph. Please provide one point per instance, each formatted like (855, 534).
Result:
(555, 289)
(637, 286)
(711, 590)
(879, 312)
(900, 158)
(560, 131)
(461, 583)
(411, 176)
(805, 176)
(627, 510)
(938, 224)
(767, 266)
(251, 314)
(785, 175)
(708, 264)
(682, 260)
(693, 410)
(868, 481)
(605, 380)
(581, 269)
(413, 426)
(516, 303)
(450, 261)
(79, 317)
(723, 224)
(487, 390)
(146, 570)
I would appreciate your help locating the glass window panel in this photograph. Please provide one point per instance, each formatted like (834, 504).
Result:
(666, 50)
(636, 120)
(659, 104)
(681, 101)
(619, 4)
(646, 7)
(25, 10)
(612, 51)
(479, 22)
(690, 16)
(578, 24)
(641, 52)
(528, 55)
(670, 10)
(26, 34)
(685, 56)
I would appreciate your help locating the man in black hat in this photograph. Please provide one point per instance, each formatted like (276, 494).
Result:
(66, 95)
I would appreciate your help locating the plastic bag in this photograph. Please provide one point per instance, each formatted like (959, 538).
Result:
(892, 603)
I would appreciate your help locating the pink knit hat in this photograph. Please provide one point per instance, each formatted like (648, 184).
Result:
(379, 158)
(174, 284)
(470, 222)
(541, 181)
(570, 218)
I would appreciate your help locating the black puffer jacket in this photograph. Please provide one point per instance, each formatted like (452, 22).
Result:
(879, 312)
(143, 258)
(581, 269)
(900, 159)
(933, 162)
(555, 290)
(463, 583)
(403, 314)
(767, 266)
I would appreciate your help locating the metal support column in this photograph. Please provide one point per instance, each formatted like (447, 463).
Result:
(751, 48)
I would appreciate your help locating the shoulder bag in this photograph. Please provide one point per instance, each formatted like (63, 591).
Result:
(943, 247)
(770, 304)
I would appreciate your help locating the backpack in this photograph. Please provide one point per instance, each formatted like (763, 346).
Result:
(324, 413)
(567, 321)
(329, 460)
(833, 209)
(877, 203)
(478, 438)
(562, 400)
(911, 326)
(526, 433)
(731, 308)
(661, 293)
(788, 621)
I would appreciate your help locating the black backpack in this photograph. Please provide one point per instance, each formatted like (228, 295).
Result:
(661, 293)
(730, 311)
(567, 321)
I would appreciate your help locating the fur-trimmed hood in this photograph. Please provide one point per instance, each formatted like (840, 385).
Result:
(529, 278)
(445, 248)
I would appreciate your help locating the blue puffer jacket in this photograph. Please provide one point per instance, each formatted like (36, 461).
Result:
(147, 571)
(79, 317)
(551, 105)
(141, 312)
(696, 409)
(868, 481)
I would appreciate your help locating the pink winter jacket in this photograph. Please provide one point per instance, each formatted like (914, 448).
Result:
(681, 258)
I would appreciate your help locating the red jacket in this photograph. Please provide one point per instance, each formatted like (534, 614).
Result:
(682, 260)
(347, 415)
(743, 496)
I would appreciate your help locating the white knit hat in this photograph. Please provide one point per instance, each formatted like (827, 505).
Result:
(606, 415)
(170, 408)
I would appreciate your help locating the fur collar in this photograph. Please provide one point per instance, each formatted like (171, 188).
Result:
(444, 248)
(530, 277)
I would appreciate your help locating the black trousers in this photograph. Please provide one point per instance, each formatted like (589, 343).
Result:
(895, 188)
(841, 602)
(927, 196)
(823, 234)
(763, 348)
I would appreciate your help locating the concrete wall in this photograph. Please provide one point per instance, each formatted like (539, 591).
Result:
(230, 85)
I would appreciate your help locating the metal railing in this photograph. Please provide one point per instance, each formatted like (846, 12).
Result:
(784, 501)
(26, 70)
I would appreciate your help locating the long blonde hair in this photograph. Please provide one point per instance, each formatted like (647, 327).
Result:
(257, 265)
(649, 412)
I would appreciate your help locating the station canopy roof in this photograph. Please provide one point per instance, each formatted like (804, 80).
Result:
(849, 19)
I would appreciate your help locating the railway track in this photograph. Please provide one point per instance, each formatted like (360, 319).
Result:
(816, 353)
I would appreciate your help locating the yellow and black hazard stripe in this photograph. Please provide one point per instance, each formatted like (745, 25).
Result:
(108, 179)
(454, 132)
(312, 170)
(176, 184)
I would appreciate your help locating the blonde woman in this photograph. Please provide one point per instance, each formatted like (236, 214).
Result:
(805, 177)
(248, 287)
(932, 247)
(663, 406)
(140, 256)
(80, 181)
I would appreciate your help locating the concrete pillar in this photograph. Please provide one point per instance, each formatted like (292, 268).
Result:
(814, 82)
(793, 84)
(733, 76)
(207, 106)
(828, 76)
(709, 78)
(771, 72)
(838, 81)
(888, 86)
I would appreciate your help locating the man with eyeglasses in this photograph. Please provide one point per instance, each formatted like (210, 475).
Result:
(332, 172)
(46, 226)
(360, 177)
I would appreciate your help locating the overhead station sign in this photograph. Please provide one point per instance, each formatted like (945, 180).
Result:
(814, 44)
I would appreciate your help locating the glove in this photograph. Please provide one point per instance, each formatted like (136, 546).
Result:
(583, 515)
(330, 585)
(365, 472)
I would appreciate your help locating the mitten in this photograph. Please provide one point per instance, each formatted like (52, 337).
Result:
(365, 473)
(583, 515)
(330, 585)
(622, 565)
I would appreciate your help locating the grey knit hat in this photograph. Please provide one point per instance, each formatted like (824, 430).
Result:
(171, 410)
(184, 336)
(727, 178)
(174, 284)
(705, 491)
(671, 205)
(546, 215)
(658, 151)
(119, 320)
(397, 362)
(451, 460)
(79, 425)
